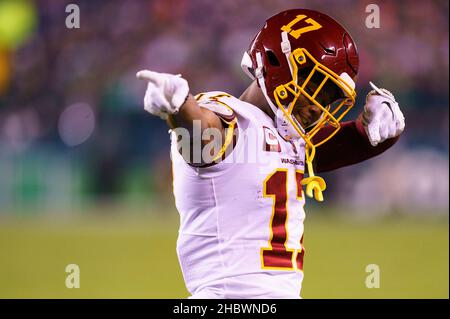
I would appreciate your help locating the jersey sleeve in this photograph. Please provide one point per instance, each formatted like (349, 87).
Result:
(349, 146)
(214, 101)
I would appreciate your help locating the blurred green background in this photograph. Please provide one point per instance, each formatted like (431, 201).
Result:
(134, 257)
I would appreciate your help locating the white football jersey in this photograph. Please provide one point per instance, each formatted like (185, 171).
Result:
(241, 220)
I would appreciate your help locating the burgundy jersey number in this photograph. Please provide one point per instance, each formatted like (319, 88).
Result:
(277, 255)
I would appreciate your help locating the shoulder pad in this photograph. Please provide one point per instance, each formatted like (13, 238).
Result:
(216, 102)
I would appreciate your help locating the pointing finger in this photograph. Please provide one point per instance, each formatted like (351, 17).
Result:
(149, 76)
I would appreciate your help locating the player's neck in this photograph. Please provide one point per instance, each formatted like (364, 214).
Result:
(253, 95)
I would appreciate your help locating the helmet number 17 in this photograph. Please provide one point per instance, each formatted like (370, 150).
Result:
(313, 25)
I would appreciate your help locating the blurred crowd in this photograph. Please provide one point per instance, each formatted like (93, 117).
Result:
(72, 125)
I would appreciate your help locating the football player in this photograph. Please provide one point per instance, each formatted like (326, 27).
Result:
(241, 220)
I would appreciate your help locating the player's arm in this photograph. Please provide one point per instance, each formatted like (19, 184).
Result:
(377, 128)
(168, 97)
(189, 112)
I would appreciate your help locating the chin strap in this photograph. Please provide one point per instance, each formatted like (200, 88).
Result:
(260, 78)
(315, 185)
(286, 49)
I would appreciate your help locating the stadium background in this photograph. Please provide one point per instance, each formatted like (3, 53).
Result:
(85, 172)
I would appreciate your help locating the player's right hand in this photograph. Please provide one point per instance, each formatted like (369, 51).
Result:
(165, 94)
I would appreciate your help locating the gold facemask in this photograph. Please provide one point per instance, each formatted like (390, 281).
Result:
(331, 114)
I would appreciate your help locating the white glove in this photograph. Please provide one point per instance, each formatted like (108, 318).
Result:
(382, 118)
(165, 94)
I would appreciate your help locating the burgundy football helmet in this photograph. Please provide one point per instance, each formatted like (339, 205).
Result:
(305, 53)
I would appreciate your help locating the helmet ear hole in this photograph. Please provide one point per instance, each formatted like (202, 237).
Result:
(272, 58)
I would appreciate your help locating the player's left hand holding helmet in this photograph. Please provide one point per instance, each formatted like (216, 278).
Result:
(382, 118)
